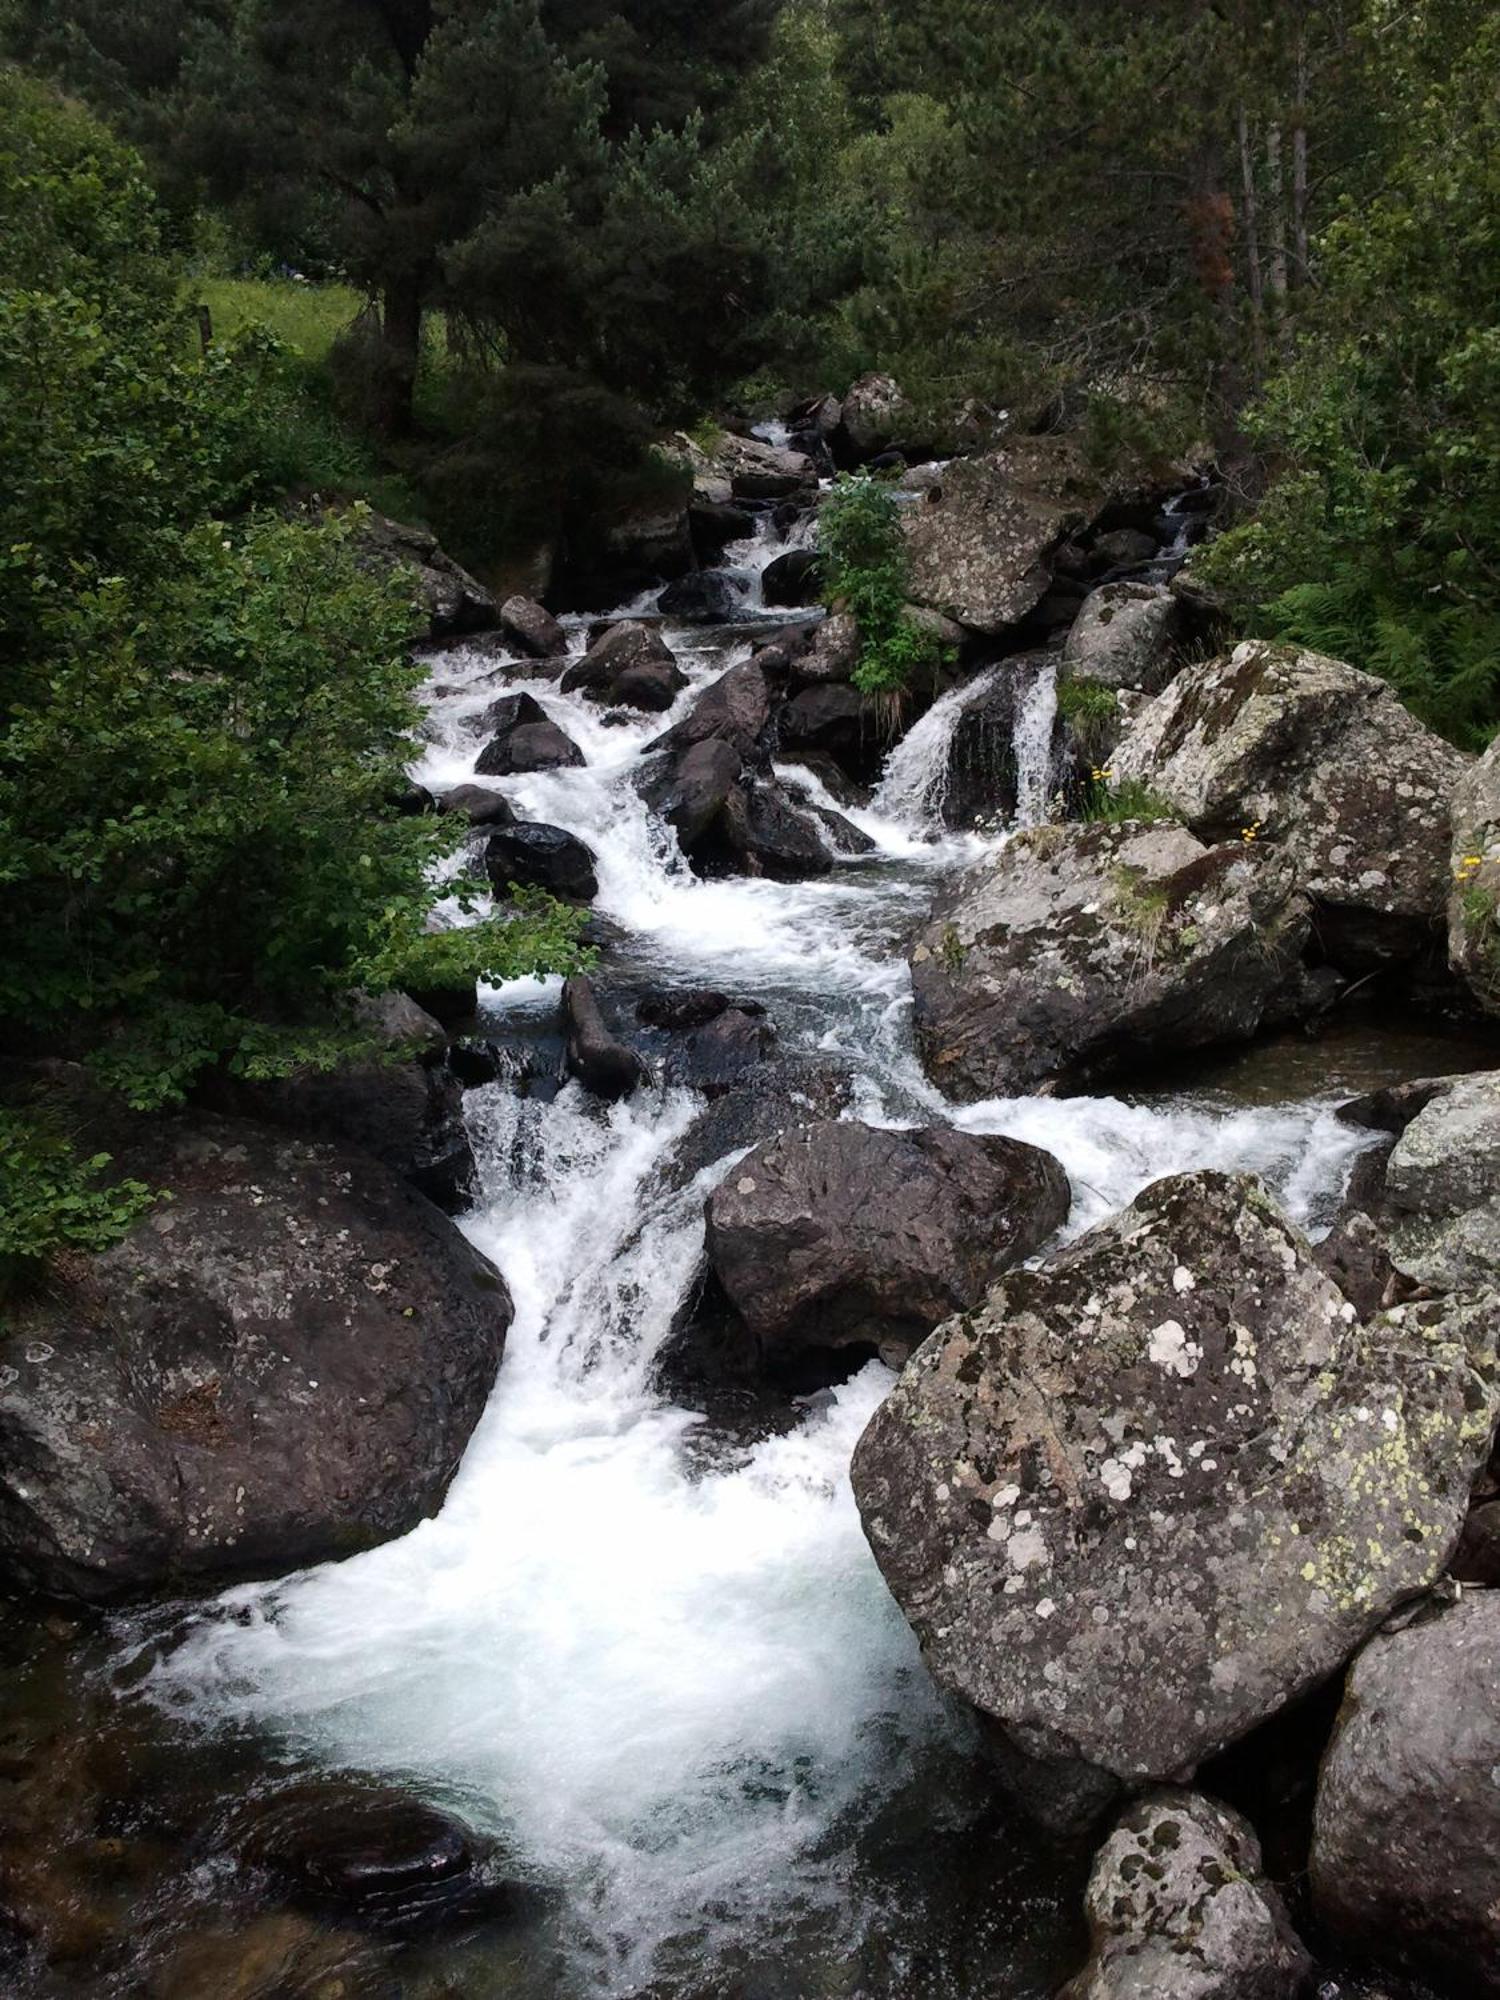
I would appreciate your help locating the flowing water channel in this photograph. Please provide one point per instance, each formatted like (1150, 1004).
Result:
(657, 1661)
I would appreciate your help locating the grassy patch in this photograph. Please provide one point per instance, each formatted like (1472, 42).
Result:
(1105, 801)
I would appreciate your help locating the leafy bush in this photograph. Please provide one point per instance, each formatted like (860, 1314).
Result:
(51, 1199)
(204, 711)
(864, 566)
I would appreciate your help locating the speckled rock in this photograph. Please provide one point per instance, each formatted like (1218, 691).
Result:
(1474, 881)
(280, 1365)
(446, 600)
(1178, 1909)
(532, 628)
(1166, 1482)
(1407, 1824)
(873, 412)
(1080, 950)
(837, 1234)
(1333, 770)
(753, 469)
(1442, 1188)
(978, 544)
(1125, 636)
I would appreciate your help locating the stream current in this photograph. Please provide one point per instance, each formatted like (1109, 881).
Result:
(664, 1671)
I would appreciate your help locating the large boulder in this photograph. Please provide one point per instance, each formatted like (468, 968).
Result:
(979, 544)
(1078, 951)
(793, 579)
(691, 789)
(531, 855)
(706, 597)
(1407, 1822)
(1179, 1909)
(839, 721)
(629, 662)
(832, 654)
(765, 834)
(524, 738)
(734, 709)
(446, 600)
(1159, 1487)
(759, 471)
(280, 1365)
(841, 1235)
(1126, 636)
(1323, 762)
(532, 629)
(1474, 881)
(1442, 1188)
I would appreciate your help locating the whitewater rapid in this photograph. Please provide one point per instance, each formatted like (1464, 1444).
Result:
(671, 1678)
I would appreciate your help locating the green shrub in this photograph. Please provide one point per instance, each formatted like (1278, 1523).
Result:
(865, 571)
(53, 1199)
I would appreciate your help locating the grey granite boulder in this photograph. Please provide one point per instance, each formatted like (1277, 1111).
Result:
(1168, 1481)
(1079, 950)
(1126, 636)
(1324, 763)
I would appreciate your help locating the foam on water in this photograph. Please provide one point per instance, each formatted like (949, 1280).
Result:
(669, 1682)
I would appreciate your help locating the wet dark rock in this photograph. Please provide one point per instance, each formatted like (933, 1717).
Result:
(690, 790)
(1477, 1557)
(371, 1856)
(707, 597)
(395, 1021)
(715, 524)
(793, 579)
(982, 778)
(529, 746)
(602, 1063)
(480, 806)
(651, 687)
(408, 1115)
(1332, 769)
(624, 646)
(446, 599)
(414, 801)
(734, 709)
(454, 1001)
(1159, 1487)
(1126, 635)
(764, 1102)
(769, 836)
(840, 1235)
(1080, 951)
(713, 1054)
(832, 776)
(1355, 1255)
(836, 721)
(533, 629)
(1125, 548)
(1179, 1909)
(475, 1063)
(1408, 1811)
(280, 1365)
(541, 857)
(678, 1009)
(281, 1955)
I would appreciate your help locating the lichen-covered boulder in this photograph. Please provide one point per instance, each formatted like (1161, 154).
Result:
(978, 544)
(1079, 950)
(1442, 1188)
(841, 1235)
(873, 413)
(1125, 637)
(1179, 1909)
(1168, 1481)
(281, 1364)
(1321, 761)
(1474, 881)
(446, 600)
(1407, 1824)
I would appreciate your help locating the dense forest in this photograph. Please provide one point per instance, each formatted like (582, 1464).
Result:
(823, 566)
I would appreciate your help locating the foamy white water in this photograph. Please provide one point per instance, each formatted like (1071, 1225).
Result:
(672, 1683)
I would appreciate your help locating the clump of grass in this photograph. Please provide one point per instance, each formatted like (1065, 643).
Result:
(1092, 712)
(1111, 803)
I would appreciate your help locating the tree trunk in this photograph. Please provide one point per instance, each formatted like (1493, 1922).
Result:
(1301, 269)
(1276, 191)
(400, 347)
(1252, 246)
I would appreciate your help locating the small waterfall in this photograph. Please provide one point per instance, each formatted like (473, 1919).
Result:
(914, 785)
(1035, 726)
